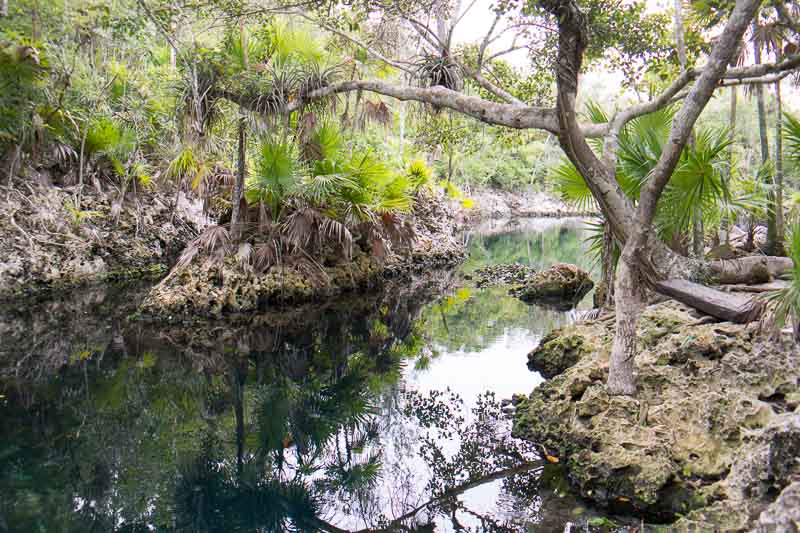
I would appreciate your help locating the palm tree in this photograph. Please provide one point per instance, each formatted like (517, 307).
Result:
(768, 37)
(696, 182)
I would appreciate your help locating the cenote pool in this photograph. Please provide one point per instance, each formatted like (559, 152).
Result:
(376, 412)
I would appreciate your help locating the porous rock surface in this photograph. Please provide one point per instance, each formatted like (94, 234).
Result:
(712, 435)
(45, 243)
(562, 281)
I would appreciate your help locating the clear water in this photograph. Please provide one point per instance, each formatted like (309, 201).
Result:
(377, 412)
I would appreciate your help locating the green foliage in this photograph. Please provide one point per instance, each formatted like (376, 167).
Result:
(785, 303)
(791, 133)
(696, 188)
(23, 72)
(275, 175)
(419, 174)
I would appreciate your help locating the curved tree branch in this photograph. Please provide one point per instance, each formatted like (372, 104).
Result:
(510, 115)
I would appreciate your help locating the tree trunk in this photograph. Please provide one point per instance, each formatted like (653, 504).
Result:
(728, 175)
(629, 303)
(764, 140)
(609, 267)
(4, 8)
(238, 189)
(777, 246)
(81, 165)
(698, 236)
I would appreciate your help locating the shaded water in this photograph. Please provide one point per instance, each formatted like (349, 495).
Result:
(377, 412)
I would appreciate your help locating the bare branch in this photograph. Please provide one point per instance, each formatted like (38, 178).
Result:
(619, 120)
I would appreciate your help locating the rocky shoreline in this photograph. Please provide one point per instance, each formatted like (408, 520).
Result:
(46, 244)
(214, 289)
(709, 443)
(492, 204)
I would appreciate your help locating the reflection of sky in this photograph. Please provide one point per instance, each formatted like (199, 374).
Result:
(500, 367)
(495, 360)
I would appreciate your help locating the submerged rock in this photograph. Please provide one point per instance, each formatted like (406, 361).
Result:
(561, 282)
(709, 435)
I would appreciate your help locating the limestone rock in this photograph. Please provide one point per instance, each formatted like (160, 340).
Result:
(560, 283)
(709, 434)
(783, 515)
(556, 352)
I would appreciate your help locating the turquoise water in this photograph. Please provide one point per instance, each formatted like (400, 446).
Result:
(377, 412)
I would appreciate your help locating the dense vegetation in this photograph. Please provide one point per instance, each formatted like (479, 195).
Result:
(281, 119)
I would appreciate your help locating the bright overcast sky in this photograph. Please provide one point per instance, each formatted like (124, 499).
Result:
(476, 23)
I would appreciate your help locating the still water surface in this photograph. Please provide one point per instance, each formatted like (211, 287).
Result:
(374, 413)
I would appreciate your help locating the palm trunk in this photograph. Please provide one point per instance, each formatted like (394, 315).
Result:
(725, 223)
(778, 247)
(238, 189)
(764, 139)
(609, 268)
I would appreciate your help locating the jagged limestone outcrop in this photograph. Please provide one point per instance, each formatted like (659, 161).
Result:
(712, 411)
(561, 282)
(214, 288)
(46, 243)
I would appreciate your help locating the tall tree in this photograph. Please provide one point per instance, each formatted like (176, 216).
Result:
(645, 259)
(763, 136)
(237, 198)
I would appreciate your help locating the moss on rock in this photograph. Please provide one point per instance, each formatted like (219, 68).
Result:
(561, 282)
(710, 396)
(557, 351)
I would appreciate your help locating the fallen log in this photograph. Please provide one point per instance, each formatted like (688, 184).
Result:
(772, 286)
(749, 270)
(733, 307)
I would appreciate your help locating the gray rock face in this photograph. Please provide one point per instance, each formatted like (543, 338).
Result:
(45, 243)
(709, 436)
(783, 515)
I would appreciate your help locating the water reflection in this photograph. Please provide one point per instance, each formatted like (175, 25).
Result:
(368, 414)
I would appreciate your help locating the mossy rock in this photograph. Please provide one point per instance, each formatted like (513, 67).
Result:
(560, 283)
(557, 352)
(710, 435)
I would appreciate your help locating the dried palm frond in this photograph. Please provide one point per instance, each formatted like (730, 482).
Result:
(215, 239)
(266, 255)
(398, 229)
(378, 113)
(244, 256)
(310, 229)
